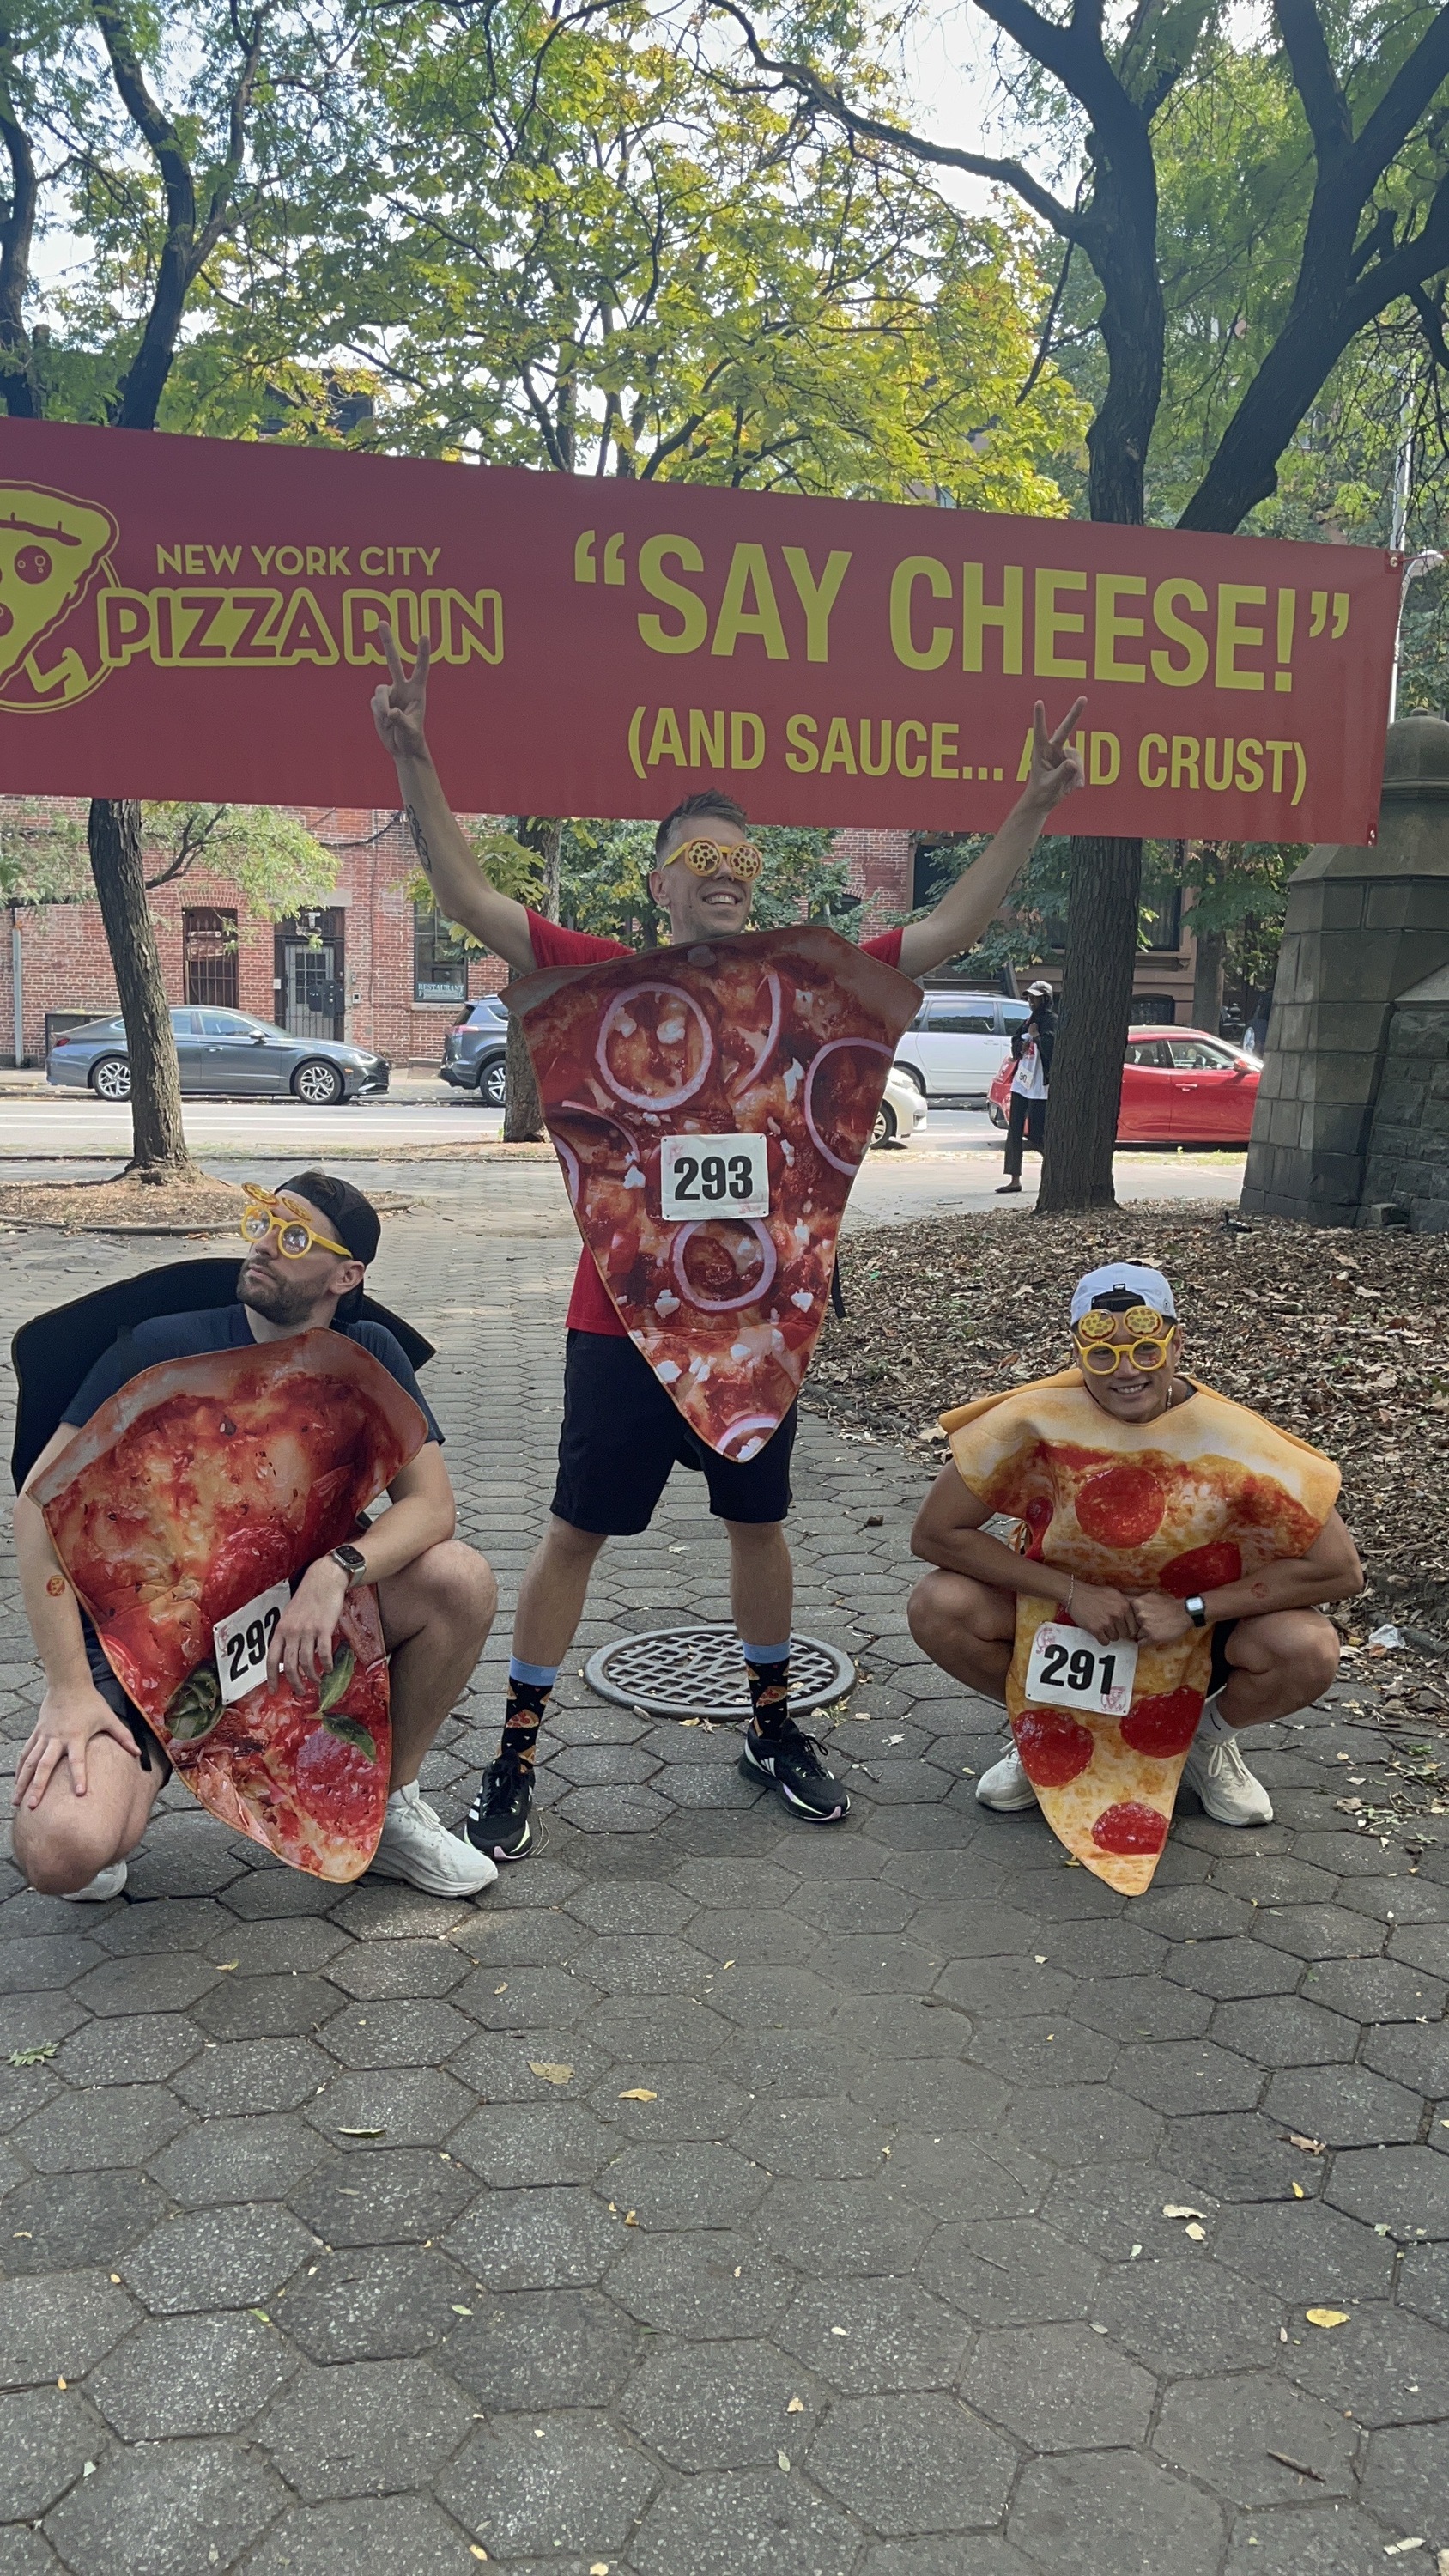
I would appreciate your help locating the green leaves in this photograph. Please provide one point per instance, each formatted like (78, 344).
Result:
(196, 1708)
(335, 1683)
(352, 1732)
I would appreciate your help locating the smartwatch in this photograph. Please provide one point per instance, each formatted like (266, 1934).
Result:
(1194, 1605)
(352, 1562)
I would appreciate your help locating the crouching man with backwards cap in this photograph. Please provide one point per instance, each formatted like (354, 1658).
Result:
(90, 1773)
(1206, 1516)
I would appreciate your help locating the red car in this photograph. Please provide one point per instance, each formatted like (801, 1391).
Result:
(1179, 1087)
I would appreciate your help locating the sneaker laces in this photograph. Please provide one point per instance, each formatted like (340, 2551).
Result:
(1226, 1759)
(793, 1739)
(502, 1776)
(415, 1810)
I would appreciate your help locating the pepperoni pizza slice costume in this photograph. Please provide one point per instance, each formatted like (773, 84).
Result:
(1199, 1498)
(203, 1483)
(783, 1034)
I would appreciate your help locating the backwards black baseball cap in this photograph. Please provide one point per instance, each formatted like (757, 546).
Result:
(353, 1219)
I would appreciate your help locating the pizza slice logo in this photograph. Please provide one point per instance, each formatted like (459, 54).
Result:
(51, 548)
(710, 1107)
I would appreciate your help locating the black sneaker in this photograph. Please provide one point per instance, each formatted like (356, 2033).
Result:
(791, 1759)
(497, 1821)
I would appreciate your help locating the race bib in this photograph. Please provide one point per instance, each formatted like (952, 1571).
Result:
(241, 1642)
(701, 1176)
(1068, 1669)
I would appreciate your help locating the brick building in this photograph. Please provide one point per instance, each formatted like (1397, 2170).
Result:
(369, 965)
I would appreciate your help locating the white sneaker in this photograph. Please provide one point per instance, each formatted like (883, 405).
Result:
(1216, 1770)
(417, 1846)
(1005, 1786)
(99, 1890)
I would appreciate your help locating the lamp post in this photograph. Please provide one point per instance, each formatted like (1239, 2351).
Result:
(1414, 570)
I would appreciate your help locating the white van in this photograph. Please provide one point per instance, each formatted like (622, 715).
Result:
(953, 1047)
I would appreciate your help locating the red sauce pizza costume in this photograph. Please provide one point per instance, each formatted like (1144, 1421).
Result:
(203, 1483)
(782, 1034)
(1199, 1498)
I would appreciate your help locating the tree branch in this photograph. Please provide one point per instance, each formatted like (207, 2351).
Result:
(1316, 82)
(808, 84)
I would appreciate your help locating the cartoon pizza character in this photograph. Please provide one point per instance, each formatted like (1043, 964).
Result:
(710, 1107)
(1199, 1498)
(203, 1485)
(50, 546)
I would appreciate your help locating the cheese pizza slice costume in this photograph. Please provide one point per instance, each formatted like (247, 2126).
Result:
(203, 1484)
(779, 1040)
(1198, 1498)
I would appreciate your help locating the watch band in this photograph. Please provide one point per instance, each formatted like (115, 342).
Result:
(1196, 1609)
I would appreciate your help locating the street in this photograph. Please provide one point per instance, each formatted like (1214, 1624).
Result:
(953, 1163)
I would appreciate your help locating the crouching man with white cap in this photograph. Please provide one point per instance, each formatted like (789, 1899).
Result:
(1203, 1515)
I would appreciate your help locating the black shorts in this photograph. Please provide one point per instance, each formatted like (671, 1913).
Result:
(114, 1697)
(621, 1436)
(1220, 1667)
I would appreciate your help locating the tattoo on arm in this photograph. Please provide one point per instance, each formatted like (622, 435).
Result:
(420, 844)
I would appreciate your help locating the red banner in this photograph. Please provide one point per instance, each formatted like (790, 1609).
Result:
(197, 619)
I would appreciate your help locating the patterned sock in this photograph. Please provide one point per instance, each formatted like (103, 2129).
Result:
(767, 1670)
(529, 1686)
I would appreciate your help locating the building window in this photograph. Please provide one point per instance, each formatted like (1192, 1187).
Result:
(440, 960)
(209, 950)
(1162, 921)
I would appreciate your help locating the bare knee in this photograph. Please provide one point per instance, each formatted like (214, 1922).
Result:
(572, 1546)
(928, 1613)
(63, 1851)
(465, 1582)
(1317, 1659)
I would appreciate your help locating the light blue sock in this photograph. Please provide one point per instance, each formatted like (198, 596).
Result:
(541, 1676)
(765, 1654)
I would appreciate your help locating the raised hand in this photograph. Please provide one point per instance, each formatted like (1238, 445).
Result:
(400, 703)
(1056, 768)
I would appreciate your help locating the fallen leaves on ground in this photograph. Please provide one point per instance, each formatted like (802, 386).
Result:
(1342, 1338)
(551, 2073)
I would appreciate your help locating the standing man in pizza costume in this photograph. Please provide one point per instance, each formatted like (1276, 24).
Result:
(621, 1433)
(1157, 1518)
(90, 1773)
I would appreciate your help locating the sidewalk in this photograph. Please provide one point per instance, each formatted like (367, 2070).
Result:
(332, 2241)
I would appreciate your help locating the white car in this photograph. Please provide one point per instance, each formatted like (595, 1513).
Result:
(953, 1046)
(901, 1112)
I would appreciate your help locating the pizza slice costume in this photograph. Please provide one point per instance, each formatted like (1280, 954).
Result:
(203, 1484)
(782, 1036)
(1197, 1499)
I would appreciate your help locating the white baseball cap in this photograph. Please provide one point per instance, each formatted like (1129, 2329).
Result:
(1128, 1277)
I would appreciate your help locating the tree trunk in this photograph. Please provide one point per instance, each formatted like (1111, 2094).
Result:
(158, 1137)
(523, 1111)
(1207, 981)
(1086, 1086)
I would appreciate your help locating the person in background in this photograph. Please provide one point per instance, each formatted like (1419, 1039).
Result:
(1255, 1039)
(1031, 1047)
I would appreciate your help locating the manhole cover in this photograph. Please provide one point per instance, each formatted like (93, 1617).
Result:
(697, 1672)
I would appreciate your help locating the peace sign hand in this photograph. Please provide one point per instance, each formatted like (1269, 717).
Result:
(400, 705)
(1056, 768)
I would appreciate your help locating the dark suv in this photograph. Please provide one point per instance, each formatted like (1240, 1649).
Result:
(474, 1052)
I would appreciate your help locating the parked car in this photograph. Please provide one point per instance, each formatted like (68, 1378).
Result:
(475, 1052)
(226, 1054)
(953, 1045)
(902, 1110)
(1179, 1087)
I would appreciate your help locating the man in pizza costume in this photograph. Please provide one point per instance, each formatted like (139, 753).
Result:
(1174, 1551)
(93, 1766)
(623, 1431)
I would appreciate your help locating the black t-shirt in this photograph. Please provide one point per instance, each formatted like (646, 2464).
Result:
(220, 1328)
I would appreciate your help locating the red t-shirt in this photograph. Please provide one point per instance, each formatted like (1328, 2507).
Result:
(591, 1308)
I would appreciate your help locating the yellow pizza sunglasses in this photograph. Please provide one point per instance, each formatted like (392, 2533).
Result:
(1102, 1357)
(266, 1214)
(705, 858)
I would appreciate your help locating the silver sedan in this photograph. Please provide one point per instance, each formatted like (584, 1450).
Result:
(226, 1054)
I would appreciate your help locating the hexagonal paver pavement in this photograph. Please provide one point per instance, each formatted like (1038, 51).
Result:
(721, 2194)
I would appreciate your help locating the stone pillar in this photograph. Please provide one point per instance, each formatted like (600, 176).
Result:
(1363, 927)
